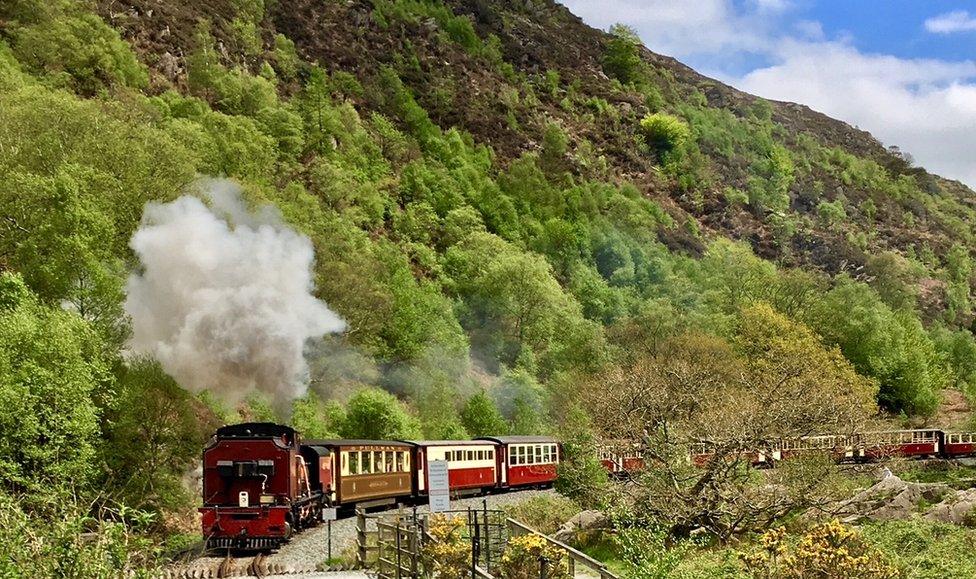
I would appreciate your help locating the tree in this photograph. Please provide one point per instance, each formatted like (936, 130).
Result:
(621, 58)
(316, 418)
(158, 426)
(481, 417)
(53, 371)
(376, 414)
(773, 380)
(581, 475)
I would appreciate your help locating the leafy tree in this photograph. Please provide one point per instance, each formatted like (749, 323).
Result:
(581, 475)
(621, 57)
(316, 418)
(77, 50)
(481, 417)
(53, 372)
(377, 415)
(158, 426)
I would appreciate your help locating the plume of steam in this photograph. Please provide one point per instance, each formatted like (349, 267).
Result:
(224, 296)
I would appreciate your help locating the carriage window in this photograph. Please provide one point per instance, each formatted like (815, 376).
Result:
(481, 455)
(353, 463)
(366, 462)
(377, 461)
(399, 462)
(538, 453)
(389, 461)
(518, 458)
(470, 455)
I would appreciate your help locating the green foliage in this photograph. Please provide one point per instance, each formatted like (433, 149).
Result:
(155, 424)
(664, 133)
(481, 417)
(621, 57)
(76, 49)
(582, 476)
(73, 543)
(832, 212)
(377, 415)
(890, 346)
(53, 372)
(544, 513)
(924, 550)
(316, 418)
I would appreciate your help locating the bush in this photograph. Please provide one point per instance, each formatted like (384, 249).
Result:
(79, 51)
(544, 513)
(481, 417)
(523, 559)
(828, 550)
(664, 133)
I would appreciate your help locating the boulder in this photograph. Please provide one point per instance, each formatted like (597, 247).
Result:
(583, 523)
(958, 508)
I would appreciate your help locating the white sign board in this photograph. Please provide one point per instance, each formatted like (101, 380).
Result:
(329, 514)
(438, 486)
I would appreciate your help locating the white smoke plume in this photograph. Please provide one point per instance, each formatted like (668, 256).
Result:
(224, 299)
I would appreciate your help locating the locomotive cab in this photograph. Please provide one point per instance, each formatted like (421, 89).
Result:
(257, 487)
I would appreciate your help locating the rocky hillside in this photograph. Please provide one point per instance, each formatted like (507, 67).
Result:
(527, 64)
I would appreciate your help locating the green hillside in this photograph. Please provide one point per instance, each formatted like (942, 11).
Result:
(508, 208)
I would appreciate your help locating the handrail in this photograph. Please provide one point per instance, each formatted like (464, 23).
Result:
(574, 554)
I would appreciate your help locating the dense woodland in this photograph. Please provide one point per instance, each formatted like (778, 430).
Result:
(521, 220)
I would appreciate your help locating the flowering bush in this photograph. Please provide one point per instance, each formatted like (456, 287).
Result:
(830, 550)
(523, 559)
(449, 554)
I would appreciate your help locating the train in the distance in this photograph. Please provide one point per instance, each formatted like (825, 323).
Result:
(262, 482)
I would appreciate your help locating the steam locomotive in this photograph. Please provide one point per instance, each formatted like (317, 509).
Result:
(262, 482)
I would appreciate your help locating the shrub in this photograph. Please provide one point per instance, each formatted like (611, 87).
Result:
(829, 550)
(375, 414)
(832, 212)
(664, 133)
(525, 556)
(449, 554)
(481, 417)
(544, 513)
(81, 52)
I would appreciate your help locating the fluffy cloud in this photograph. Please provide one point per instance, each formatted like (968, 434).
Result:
(925, 106)
(957, 21)
(687, 28)
(928, 107)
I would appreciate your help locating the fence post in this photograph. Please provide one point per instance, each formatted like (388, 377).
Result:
(361, 538)
(543, 568)
(399, 549)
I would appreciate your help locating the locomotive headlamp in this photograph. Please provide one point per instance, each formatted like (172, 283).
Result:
(243, 499)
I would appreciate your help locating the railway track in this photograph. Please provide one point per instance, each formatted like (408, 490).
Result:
(305, 555)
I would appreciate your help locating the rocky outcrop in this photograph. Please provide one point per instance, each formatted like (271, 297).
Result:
(894, 499)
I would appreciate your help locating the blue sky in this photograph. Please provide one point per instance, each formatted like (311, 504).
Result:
(905, 70)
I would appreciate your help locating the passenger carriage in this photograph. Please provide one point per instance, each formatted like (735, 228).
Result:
(959, 444)
(369, 472)
(471, 464)
(526, 460)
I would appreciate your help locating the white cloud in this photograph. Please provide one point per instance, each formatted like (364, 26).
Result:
(926, 106)
(957, 21)
(682, 29)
